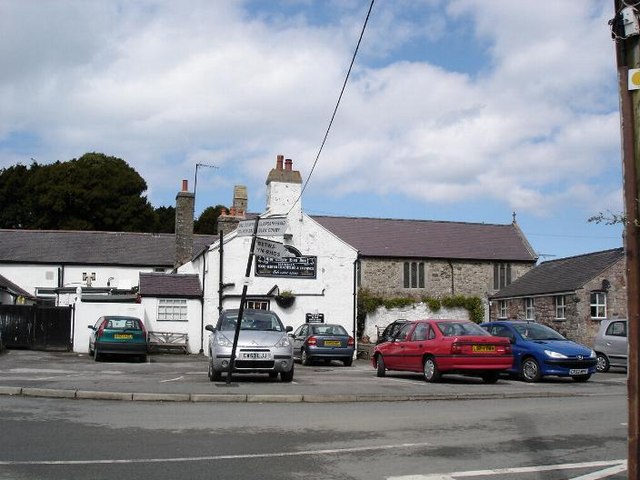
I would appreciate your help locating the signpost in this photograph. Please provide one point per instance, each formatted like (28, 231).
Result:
(267, 227)
(271, 249)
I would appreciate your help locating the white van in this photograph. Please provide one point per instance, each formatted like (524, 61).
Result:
(611, 344)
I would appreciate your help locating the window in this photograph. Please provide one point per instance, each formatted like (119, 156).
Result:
(501, 275)
(561, 307)
(172, 309)
(257, 304)
(529, 311)
(617, 329)
(413, 274)
(598, 305)
(502, 309)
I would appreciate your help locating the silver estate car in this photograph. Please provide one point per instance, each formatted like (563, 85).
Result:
(611, 344)
(263, 345)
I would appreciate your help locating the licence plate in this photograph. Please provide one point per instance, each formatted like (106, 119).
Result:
(578, 371)
(332, 343)
(256, 355)
(483, 348)
(122, 336)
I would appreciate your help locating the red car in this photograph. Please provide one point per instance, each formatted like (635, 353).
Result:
(435, 347)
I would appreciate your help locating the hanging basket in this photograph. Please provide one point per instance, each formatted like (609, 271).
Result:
(285, 301)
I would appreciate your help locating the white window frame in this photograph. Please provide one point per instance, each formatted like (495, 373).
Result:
(561, 307)
(257, 304)
(172, 310)
(600, 304)
(529, 309)
(502, 309)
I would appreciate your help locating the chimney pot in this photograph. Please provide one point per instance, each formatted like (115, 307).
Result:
(288, 164)
(185, 185)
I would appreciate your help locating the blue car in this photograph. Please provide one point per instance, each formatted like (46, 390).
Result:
(540, 351)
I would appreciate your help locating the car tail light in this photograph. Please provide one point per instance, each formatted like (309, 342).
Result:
(101, 329)
(144, 330)
(456, 348)
(312, 341)
(504, 348)
(351, 342)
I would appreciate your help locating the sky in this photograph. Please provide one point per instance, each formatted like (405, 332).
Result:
(459, 110)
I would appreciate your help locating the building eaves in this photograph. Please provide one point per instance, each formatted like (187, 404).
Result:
(13, 289)
(562, 275)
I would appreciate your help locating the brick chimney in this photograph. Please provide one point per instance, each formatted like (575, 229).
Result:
(228, 221)
(185, 203)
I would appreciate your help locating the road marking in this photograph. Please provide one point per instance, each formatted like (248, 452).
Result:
(332, 451)
(541, 468)
(607, 472)
(172, 379)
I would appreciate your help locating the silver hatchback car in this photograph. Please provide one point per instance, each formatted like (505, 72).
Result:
(263, 345)
(611, 344)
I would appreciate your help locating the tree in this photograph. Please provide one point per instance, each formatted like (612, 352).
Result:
(94, 192)
(207, 222)
(165, 220)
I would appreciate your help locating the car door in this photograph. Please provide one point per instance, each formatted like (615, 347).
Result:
(517, 346)
(616, 340)
(395, 356)
(299, 337)
(415, 346)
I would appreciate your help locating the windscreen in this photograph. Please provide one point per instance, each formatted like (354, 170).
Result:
(535, 331)
(329, 330)
(460, 329)
(264, 321)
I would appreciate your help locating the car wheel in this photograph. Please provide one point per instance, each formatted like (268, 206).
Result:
(348, 361)
(212, 372)
(491, 377)
(430, 370)
(530, 370)
(273, 374)
(581, 378)
(90, 351)
(97, 356)
(143, 358)
(287, 376)
(602, 363)
(304, 358)
(381, 369)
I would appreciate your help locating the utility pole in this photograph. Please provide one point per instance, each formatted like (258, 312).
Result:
(626, 33)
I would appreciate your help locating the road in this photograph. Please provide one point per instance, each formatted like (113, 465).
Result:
(42, 438)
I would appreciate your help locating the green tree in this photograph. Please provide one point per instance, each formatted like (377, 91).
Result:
(207, 222)
(94, 192)
(165, 220)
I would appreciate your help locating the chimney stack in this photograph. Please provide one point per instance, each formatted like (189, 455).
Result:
(185, 203)
(279, 160)
(288, 164)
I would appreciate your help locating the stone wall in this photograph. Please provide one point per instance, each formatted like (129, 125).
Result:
(384, 277)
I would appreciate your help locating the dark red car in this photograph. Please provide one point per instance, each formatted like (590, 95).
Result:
(435, 347)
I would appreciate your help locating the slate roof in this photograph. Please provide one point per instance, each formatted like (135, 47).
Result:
(562, 275)
(8, 286)
(93, 248)
(379, 237)
(170, 285)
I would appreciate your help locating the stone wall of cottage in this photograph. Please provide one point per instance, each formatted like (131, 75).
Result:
(385, 277)
(577, 324)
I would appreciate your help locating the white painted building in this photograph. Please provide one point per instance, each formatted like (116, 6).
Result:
(322, 279)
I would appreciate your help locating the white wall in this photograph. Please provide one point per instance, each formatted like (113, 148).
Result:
(192, 327)
(419, 311)
(88, 313)
(331, 292)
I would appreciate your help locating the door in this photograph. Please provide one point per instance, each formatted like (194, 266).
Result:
(396, 351)
(616, 341)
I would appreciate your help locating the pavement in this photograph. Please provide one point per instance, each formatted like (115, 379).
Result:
(183, 378)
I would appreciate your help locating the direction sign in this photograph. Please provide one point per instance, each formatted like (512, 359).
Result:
(268, 248)
(267, 227)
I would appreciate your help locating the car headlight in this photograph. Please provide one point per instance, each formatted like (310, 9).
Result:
(552, 354)
(283, 342)
(223, 341)
(592, 354)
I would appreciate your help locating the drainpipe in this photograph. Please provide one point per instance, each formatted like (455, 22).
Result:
(220, 272)
(453, 283)
(356, 265)
(204, 280)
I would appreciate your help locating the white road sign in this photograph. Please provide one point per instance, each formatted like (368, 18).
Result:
(268, 248)
(267, 227)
